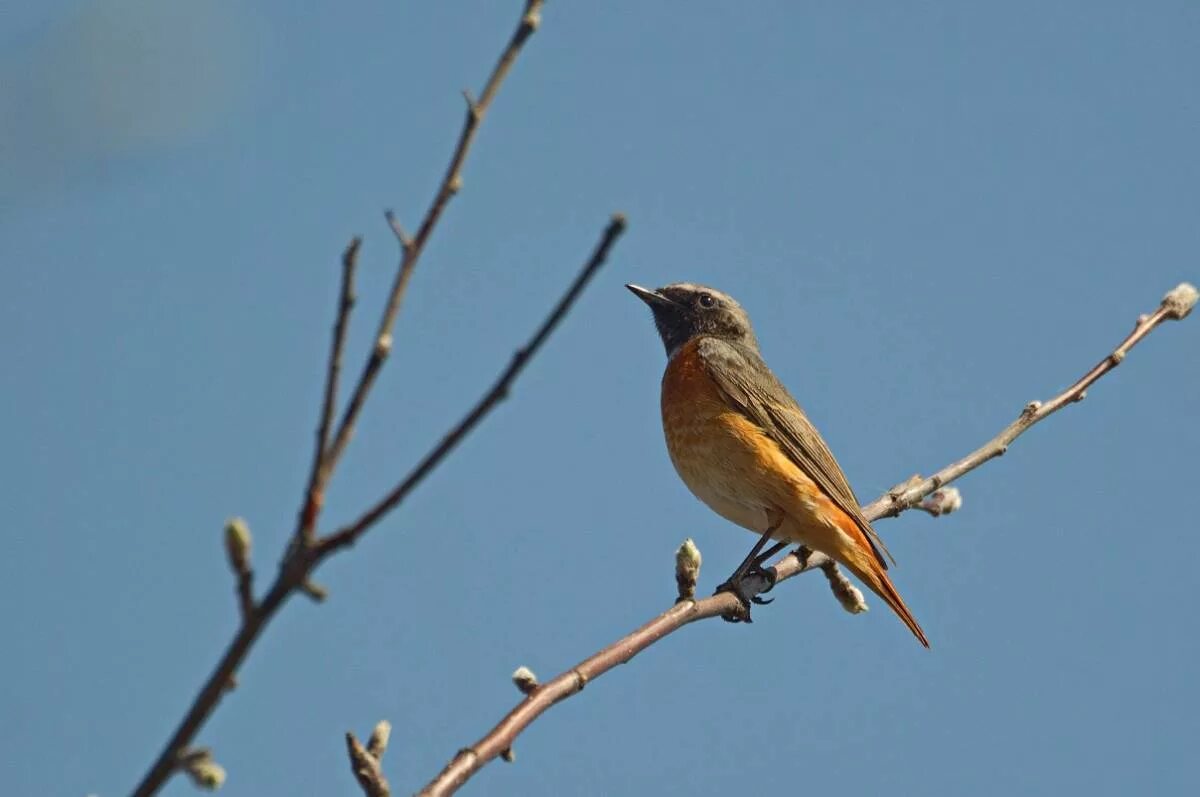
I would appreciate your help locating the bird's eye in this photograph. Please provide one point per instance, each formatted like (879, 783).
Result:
(707, 300)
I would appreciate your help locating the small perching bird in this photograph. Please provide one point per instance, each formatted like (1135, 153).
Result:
(743, 446)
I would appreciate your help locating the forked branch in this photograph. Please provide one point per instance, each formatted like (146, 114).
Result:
(306, 552)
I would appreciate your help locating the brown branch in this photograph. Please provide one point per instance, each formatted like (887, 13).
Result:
(314, 494)
(500, 738)
(411, 248)
(302, 556)
(367, 762)
(498, 392)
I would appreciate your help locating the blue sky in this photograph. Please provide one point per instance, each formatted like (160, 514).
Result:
(935, 212)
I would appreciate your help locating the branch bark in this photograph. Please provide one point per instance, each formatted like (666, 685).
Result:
(1175, 305)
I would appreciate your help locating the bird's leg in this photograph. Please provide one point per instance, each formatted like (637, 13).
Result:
(752, 565)
(768, 573)
(759, 560)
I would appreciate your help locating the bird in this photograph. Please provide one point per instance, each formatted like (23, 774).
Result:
(746, 449)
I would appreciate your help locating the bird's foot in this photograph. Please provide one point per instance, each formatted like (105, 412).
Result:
(747, 587)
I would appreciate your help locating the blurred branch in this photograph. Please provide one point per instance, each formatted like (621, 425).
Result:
(1175, 305)
(305, 552)
(367, 762)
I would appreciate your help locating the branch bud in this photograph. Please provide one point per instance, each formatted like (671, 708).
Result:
(848, 595)
(687, 569)
(943, 501)
(377, 744)
(525, 680)
(314, 590)
(202, 769)
(1180, 300)
(532, 18)
(237, 544)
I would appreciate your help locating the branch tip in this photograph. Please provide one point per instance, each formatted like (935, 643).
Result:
(848, 595)
(198, 764)
(377, 744)
(687, 569)
(314, 590)
(524, 679)
(365, 764)
(237, 545)
(403, 237)
(1180, 300)
(942, 502)
(472, 105)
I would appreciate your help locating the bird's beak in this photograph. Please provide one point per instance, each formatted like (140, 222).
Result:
(652, 298)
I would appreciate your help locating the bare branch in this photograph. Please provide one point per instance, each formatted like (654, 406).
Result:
(302, 557)
(314, 494)
(1177, 304)
(367, 762)
(301, 560)
(498, 392)
(412, 248)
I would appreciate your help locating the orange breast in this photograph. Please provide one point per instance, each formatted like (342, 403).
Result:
(723, 457)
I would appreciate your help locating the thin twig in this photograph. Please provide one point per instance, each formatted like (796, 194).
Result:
(367, 762)
(500, 738)
(498, 392)
(245, 590)
(895, 502)
(412, 248)
(314, 494)
(301, 557)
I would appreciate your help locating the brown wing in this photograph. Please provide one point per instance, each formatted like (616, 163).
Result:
(750, 386)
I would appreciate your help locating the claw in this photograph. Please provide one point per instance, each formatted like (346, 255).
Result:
(767, 574)
(744, 602)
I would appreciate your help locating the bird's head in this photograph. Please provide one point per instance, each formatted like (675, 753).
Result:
(683, 311)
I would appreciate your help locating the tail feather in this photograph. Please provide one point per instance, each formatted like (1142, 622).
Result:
(877, 580)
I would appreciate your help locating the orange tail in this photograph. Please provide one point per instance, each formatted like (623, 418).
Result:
(871, 574)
